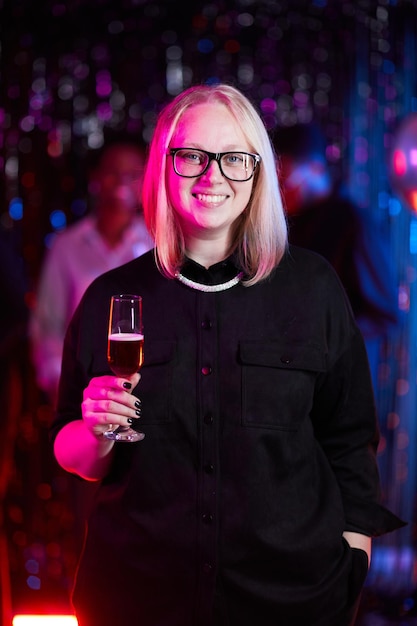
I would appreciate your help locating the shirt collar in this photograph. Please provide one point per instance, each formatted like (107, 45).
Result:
(218, 273)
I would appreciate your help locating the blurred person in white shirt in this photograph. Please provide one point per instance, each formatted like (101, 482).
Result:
(112, 233)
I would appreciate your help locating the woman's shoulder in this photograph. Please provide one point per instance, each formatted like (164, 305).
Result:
(138, 267)
(304, 255)
(130, 277)
(307, 263)
(143, 263)
(308, 275)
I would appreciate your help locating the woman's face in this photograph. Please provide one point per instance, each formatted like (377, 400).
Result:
(207, 206)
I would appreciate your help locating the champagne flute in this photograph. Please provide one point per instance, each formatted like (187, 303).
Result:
(125, 349)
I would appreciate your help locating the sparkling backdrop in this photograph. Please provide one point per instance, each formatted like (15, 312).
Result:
(73, 71)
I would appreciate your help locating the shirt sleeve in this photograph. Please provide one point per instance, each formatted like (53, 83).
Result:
(345, 423)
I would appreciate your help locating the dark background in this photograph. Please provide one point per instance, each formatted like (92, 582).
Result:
(73, 72)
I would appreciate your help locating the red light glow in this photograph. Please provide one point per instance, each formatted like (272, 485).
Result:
(44, 620)
(399, 162)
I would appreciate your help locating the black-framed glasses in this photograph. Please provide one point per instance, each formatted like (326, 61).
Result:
(191, 162)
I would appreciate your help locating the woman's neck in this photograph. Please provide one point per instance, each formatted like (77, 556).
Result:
(207, 252)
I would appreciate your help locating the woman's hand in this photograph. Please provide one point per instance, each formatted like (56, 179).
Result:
(79, 446)
(108, 403)
(357, 540)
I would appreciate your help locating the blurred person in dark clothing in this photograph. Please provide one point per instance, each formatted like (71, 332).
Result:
(322, 218)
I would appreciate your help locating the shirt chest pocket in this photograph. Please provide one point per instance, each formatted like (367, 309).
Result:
(278, 382)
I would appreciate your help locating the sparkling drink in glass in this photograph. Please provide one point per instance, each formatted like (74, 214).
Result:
(125, 349)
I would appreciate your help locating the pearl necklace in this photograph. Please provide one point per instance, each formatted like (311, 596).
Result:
(209, 288)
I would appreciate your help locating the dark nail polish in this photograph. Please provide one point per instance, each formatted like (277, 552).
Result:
(137, 404)
(138, 413)
(130, 420)
(127, 385)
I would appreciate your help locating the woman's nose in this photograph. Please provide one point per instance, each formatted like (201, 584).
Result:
(214, 172)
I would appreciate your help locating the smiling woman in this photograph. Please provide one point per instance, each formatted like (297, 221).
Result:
(234, 127)
(206, 202)
(254, 495)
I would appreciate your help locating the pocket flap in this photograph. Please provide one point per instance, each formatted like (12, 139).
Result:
(279, 354)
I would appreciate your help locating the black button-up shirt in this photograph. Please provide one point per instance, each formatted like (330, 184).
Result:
(259, 451)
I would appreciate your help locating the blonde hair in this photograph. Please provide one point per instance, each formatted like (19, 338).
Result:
(261, 233)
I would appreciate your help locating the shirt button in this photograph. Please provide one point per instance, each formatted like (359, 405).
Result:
(206, 370)
(208, 418)
(207, 518)
(207, 567)
(209, 468)
(206, 324)
(286, 359)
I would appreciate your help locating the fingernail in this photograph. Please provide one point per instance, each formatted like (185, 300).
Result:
(138, 413)
(130, 420)
(137, 404)
(127, 385)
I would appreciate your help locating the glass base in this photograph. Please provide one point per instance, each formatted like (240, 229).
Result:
(123, 434)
